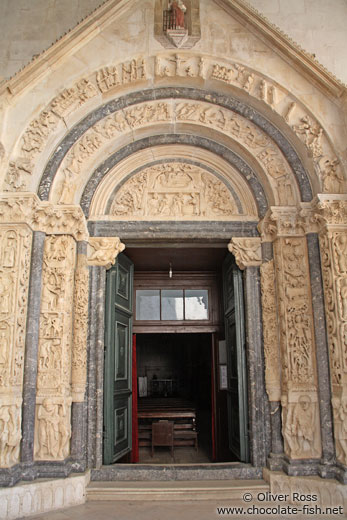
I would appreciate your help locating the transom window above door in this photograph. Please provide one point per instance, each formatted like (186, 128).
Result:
(172, 304)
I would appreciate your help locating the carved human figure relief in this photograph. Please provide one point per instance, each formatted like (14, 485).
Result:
(311, 133)
(104, 250)
(10, 434)
(174, 191)
(247, 251)
(52, 427)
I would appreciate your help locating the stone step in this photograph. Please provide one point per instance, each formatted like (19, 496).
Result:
(230, 490)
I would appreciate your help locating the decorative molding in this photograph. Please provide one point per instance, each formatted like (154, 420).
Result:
(331, 211)
(329, 492)
(42, 216)
(42, 496)
(270, 331)
(105, 251)
(247, 251)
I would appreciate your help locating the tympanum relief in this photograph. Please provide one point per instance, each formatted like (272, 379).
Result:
(174, 190)
(53, 408)
(15, 253)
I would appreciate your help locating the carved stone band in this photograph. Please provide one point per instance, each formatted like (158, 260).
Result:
(247, 251)
(105, 252)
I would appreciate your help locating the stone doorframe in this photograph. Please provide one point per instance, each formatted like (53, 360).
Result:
(259, 416)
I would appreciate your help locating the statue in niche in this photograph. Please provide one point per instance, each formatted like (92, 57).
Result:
(178, 9)
(64, 429)
(6, 284)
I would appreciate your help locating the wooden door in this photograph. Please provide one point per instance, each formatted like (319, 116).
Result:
(236, 360)
(118, 361)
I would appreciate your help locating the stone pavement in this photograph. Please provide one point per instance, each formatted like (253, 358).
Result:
(160, 510)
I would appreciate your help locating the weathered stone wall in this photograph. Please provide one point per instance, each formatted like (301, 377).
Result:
(27, 27)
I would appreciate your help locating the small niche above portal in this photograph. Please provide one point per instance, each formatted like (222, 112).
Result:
(177, 23)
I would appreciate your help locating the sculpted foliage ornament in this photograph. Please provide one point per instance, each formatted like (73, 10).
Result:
(106, 250)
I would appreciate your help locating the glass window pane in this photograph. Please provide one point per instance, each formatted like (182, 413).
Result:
(148, 304)
(172, 304)
(196, 304)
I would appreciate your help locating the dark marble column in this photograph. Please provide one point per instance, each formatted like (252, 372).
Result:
(96, 365)
(31, 348)
(257, 398)
(324, 391)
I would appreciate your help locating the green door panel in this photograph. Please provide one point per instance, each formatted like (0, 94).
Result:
(118, 362)
(236, 350)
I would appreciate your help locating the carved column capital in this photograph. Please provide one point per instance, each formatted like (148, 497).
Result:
(247, 251)
(283, 221)
(105, 250)
(43, 216)
(331, 212)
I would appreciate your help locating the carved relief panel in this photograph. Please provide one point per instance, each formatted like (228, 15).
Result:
(174, 191)
(333, 246)
(270, 331)
(300, 413)
(52, 430)
(15, 254)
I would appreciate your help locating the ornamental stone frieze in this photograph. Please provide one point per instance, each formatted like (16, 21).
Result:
(103, 251)
(15, 254)
(43, 216)
(53, 400)
(247, 251)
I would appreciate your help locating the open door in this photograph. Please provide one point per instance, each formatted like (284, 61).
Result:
(118, 360)
(236, 360)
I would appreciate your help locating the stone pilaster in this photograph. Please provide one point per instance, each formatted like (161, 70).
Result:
(285, 227)
(332, 216)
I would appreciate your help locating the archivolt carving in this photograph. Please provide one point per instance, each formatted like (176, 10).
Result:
(174, 190)
(55, 345)
(270, 331)
(307, 128)
(280, 175)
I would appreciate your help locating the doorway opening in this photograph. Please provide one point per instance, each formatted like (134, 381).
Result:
(175, 353)
(174, 373)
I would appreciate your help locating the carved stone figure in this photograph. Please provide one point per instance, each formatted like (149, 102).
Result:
(105, 251)
(303, 425)
(311, 134)
(247, 251)
(48, 432)
(10, 434)
(179, 9)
